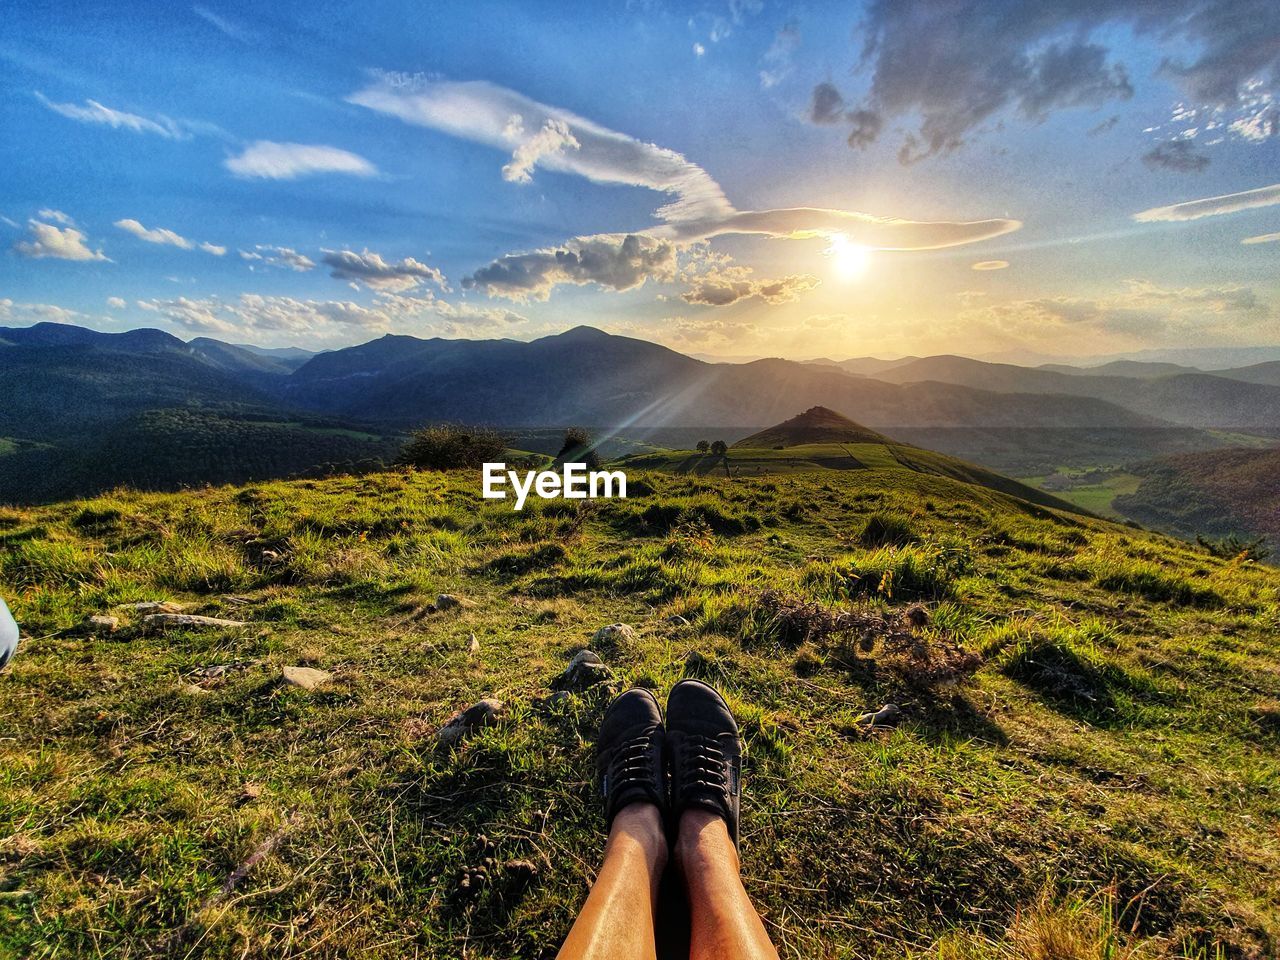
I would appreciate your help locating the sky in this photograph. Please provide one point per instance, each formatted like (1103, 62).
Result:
(735, 178)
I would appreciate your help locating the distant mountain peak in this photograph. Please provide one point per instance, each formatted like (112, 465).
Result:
(815, 425)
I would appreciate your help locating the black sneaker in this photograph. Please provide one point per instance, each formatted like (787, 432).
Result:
(705, 753)
(629, 752)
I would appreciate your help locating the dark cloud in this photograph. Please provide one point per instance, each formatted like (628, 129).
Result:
(615, 261)
(961, 64)
(827, 105)
(1104, 126)
(1180, 156)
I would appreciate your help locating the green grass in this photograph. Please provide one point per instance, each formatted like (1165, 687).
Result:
(1089, 749)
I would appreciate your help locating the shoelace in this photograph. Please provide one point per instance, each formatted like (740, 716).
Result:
(703, 764)
(631, 759)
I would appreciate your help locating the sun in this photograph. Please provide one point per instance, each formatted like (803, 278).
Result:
(850, 260)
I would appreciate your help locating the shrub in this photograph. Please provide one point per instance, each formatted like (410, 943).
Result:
(578, 447)
(1234, 548)
(452, 447)
(885, 529)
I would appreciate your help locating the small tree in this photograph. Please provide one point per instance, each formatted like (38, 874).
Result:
(703, 446)
(719, 448)
(452, 447)
(578, 448)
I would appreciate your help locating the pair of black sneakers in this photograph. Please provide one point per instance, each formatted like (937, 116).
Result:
(694, 761)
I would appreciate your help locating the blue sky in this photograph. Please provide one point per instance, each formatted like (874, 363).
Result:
(703, 175)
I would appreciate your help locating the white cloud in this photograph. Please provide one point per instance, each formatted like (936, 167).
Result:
(57, 216)
(370, 269)
(482, 112)
(1213, 206)
(268, 160)
(613, 261)
(116, 303)
(554, 137)
(699, 50)
(48, 241)
(157, 235)
(1140, 313)
(94, 112)
(724, 285)
(285, 257)
(11, 311)
(166, 237)
(991, 265)
(1262, 238)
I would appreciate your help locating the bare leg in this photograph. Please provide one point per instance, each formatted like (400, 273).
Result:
(617, 919)
(724, 923)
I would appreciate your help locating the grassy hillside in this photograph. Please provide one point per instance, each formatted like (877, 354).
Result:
(807, 457)
(1088, 750)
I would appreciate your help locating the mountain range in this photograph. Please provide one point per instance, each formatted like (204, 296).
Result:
(66, 388)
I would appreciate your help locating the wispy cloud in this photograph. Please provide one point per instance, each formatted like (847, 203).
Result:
(166, 237)
(268, 160)
(116, 303)
(285, 257)
(232, 29)
(371, 270)
(45, 241)
(94, 112)
(57, 216)
(1180, 156)
(510, 121)
(1262, 238)
(991, 265)
(1213, 206)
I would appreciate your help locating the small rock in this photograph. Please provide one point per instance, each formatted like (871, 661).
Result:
(473, 647)
(886, 718)
(585, 670)
(519, 873)
(559, 698)
(160, 621)
(464, 723)
(449, 601)
(308, 678)
(613, 635)
(102, 623)
(153, 606)
(192, 690)
(676, 620)
(250, 791)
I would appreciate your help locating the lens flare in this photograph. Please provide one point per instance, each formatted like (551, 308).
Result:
(849, 260)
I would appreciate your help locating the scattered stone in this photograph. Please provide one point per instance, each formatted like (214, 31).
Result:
(559, 698)
(464, 723)
(613, 635)
(102, 623)
(916, 616)
(161, 621)
(886, 718)
(308, 678)
(696, 664)
(676, 620)
(585, 670)
(474, 647)
(449, 601)
(153, 606)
